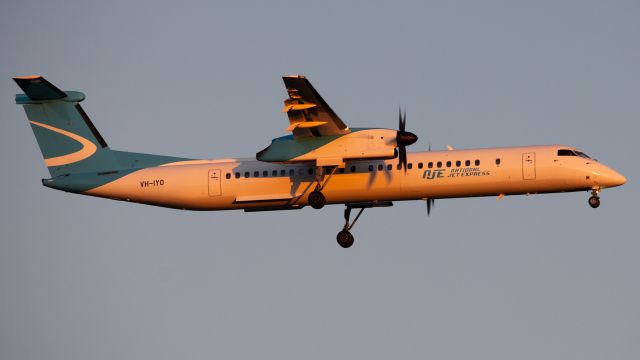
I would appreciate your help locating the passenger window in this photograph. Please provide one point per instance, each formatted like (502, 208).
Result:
(283, 172)
(430, 165)
(246, 174)
(237, 175)
(410, 166)
(389, 167)
(380, 167)
(341, 170)
(256, 174)
(448, 163)
(467, 163)
(370, 167)
(265, 173)
(274, 173)
(228, 176)
(310, 171)
(477, 162)
(420, 165)
(292, 172)
(498, 161)
(439, 164)
(399, 166)
(458, 163)
(353, 169)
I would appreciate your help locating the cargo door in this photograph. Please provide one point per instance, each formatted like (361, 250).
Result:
(529, 166)
(214, 182)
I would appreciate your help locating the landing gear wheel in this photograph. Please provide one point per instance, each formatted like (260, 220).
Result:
(345, 239)
(594, 201)
(317, 200)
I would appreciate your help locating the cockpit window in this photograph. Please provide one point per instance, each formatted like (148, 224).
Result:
(569, 152)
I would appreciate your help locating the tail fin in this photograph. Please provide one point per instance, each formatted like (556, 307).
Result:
(69, 141)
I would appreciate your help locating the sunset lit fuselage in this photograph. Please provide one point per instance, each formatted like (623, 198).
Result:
(322, 161)
(251, 184)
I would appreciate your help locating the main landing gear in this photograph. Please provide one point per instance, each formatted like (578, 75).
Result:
(345, 239)
(594, 200)
(316, 198)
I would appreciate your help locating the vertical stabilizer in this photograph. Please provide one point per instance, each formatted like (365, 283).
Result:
(68, 140)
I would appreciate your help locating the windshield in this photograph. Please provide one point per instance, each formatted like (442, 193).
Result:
(569, 152)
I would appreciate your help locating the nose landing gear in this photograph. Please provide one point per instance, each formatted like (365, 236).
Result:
(594, 200)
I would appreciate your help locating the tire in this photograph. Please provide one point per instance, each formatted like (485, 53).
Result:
(345, 239)
(594, 201)
(316, 199)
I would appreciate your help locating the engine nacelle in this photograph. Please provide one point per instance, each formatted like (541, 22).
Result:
(332, 150)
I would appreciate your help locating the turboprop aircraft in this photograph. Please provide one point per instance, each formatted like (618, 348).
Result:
(322, 161)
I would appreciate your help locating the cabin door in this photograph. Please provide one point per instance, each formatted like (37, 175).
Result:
(529, 166)
(214, 182)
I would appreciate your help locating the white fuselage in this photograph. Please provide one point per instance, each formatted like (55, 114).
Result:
(251, 184)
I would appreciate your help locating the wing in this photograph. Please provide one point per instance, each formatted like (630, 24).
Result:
(309, 115)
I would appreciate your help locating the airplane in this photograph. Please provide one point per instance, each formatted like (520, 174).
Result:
(323, 161)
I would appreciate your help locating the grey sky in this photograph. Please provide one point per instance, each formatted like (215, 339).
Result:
(522, 278)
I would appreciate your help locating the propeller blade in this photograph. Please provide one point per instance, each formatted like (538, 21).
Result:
(401, 119)
(431, 203)
(403, 138)
(404, 119)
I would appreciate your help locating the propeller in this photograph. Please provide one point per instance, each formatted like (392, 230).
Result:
(403, 139)
(431, 203)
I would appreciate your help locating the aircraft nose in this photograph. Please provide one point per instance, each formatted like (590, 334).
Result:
(618, 179)
(612, 178)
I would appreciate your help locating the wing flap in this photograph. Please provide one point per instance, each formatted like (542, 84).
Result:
(305, 125)
(305, 105)
(288, 106)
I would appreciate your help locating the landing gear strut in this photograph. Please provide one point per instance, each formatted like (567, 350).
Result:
(345, 239)
(316, 199)
(594, 200)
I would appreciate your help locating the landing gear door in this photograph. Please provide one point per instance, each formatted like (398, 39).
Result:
(214, 182)
(529, 166)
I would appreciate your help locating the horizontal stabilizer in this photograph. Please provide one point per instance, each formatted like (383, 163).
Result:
(38, 88)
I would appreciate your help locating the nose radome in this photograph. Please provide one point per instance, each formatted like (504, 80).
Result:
(619, 179)
(613, 178)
